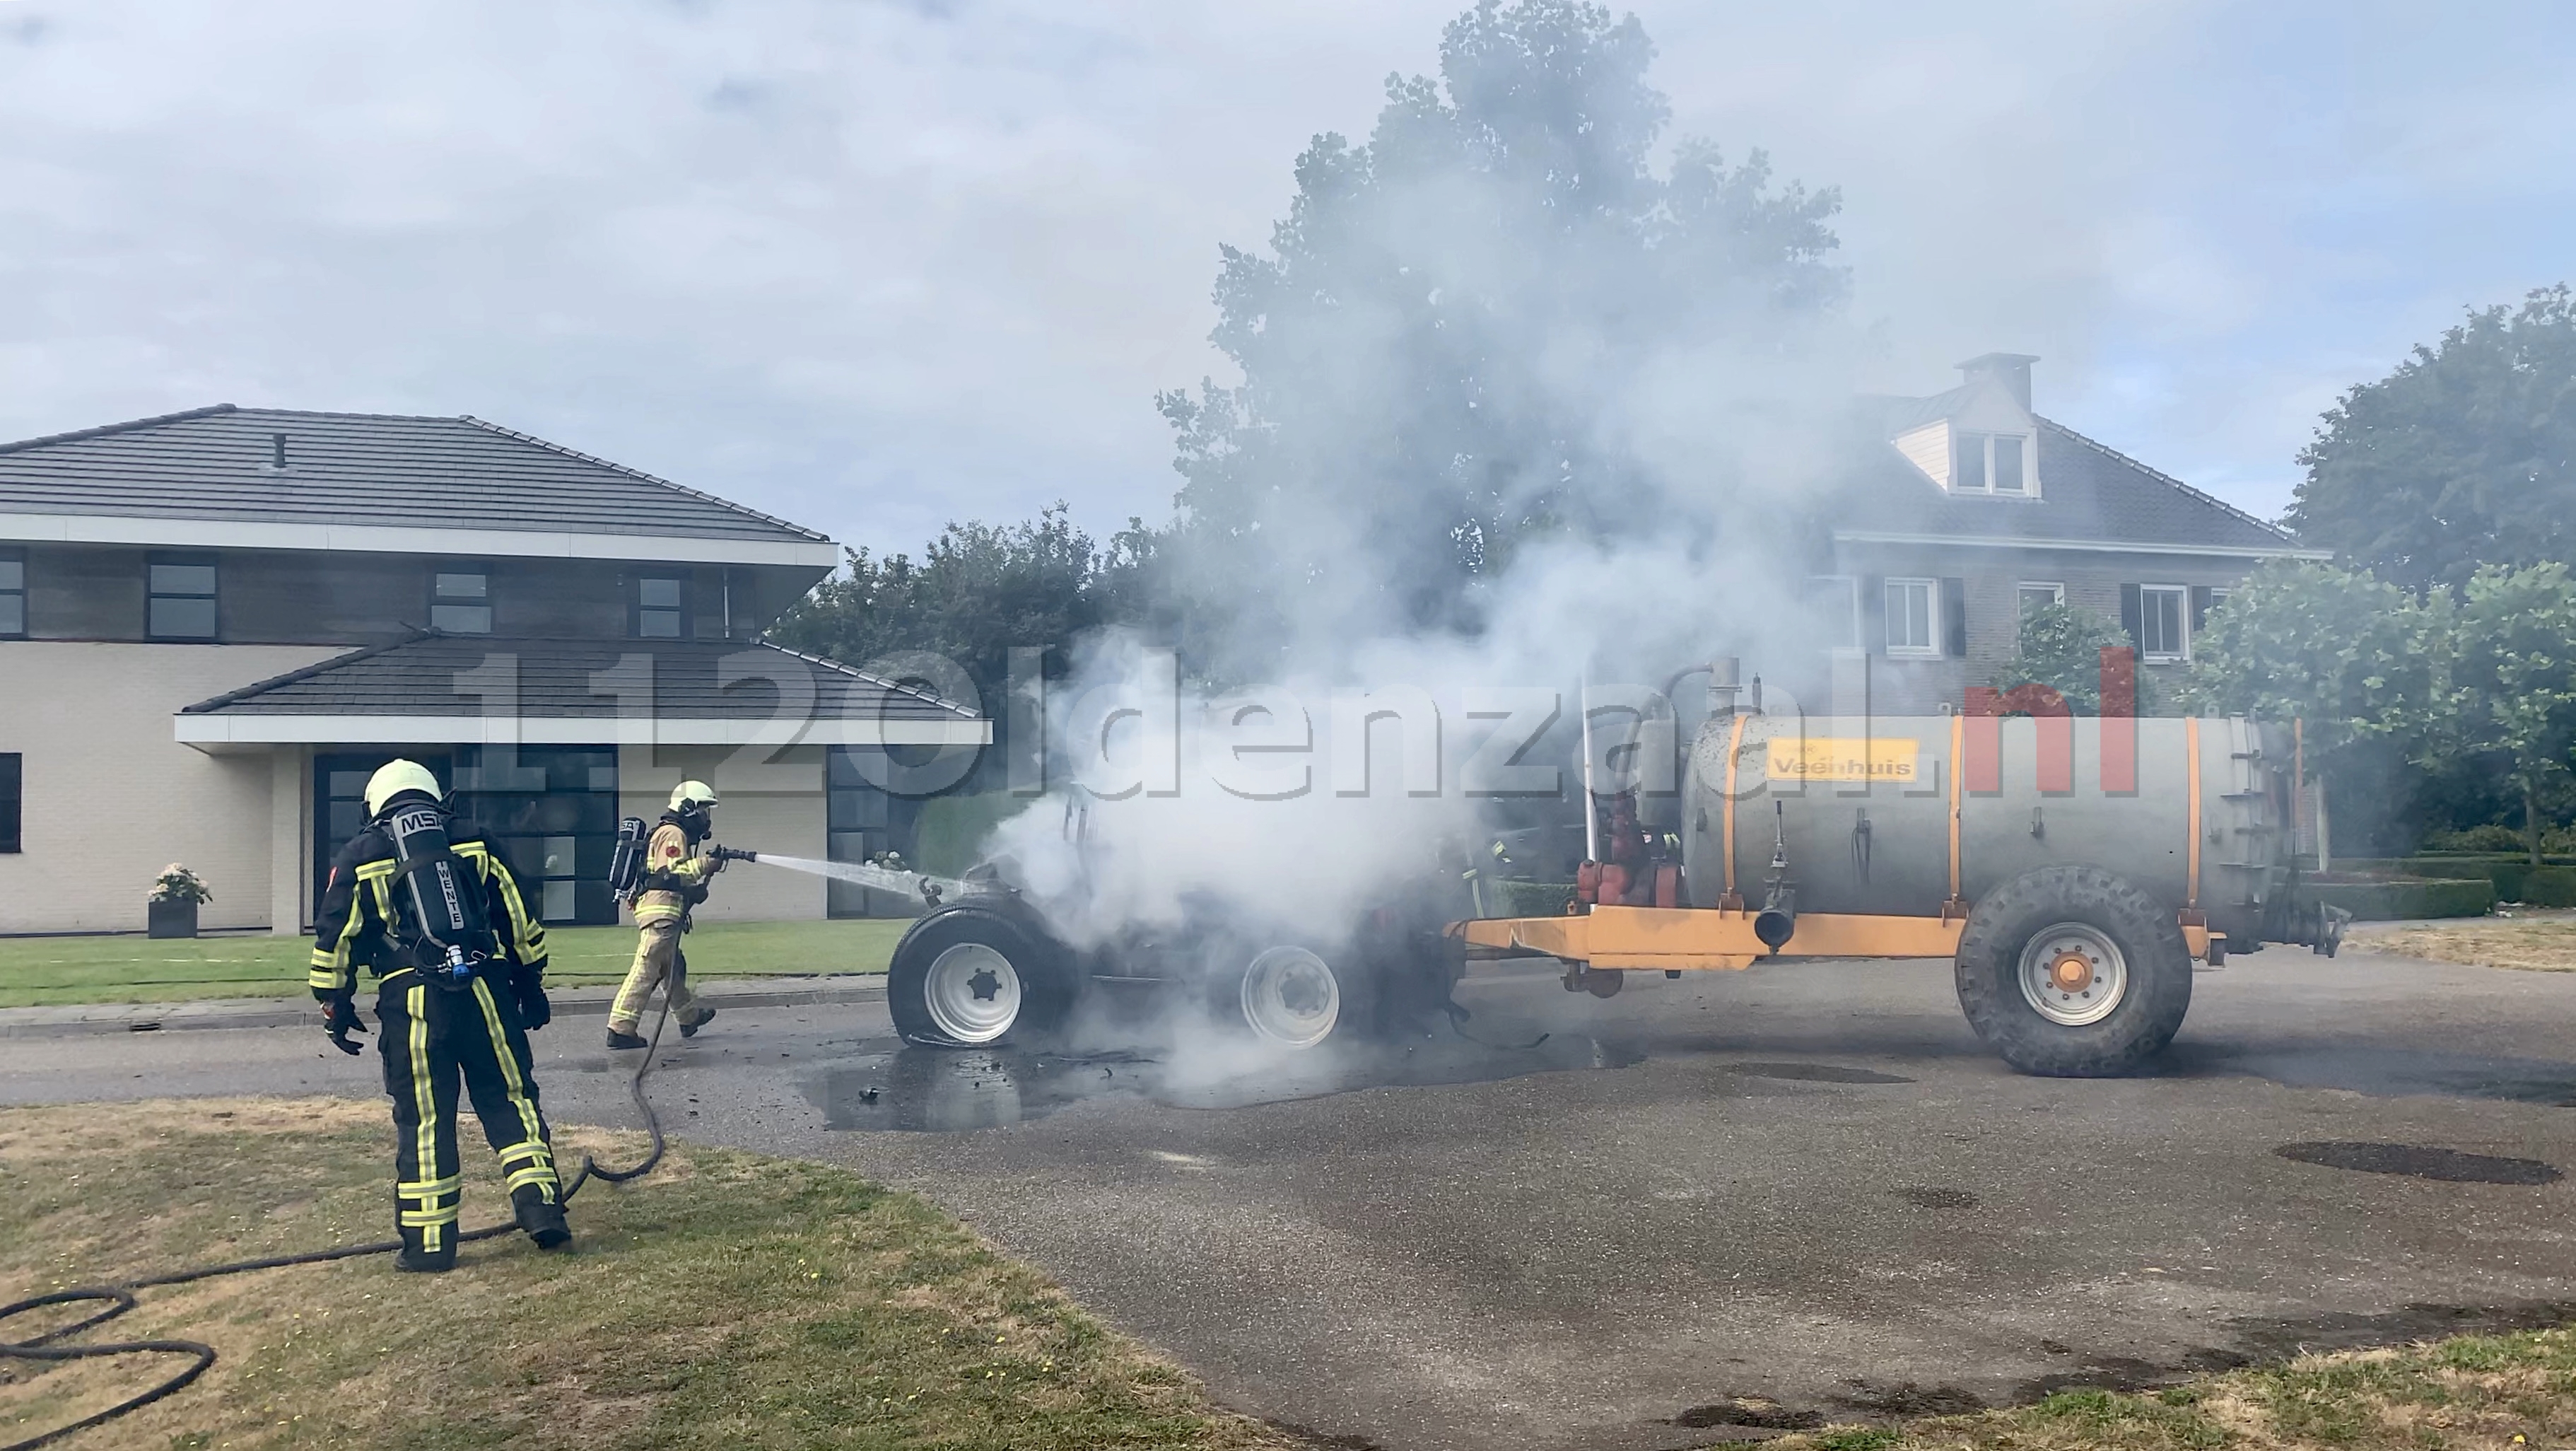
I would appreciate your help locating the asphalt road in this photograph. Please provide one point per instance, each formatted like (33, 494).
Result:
(1804, 1183)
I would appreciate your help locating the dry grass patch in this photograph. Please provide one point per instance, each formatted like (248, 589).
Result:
(2473, 1393)
(731, 1301)
(2545, 944)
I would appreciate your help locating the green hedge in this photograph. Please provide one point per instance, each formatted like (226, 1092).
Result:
(1527, 899)
(2515, 878)
(2405, 898)
(949, 836)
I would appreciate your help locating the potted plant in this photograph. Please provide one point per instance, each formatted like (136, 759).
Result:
(173, 903)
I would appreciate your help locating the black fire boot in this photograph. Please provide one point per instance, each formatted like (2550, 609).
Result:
(545, 1224)
(412, 1260)
(689, 1028)
(620, 1038)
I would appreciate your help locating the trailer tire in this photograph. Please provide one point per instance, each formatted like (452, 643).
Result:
(2073, 972)
(966, 978)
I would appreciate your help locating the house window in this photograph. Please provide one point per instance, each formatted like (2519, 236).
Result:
(13, 595)
(661, 607)
(1913, 617)
(2040, 594)
(1833, 602)
(183, 598)
(2160, 624)
(460, 599)
(1992, 463)
(12, 777)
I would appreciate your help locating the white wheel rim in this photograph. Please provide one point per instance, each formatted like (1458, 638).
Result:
(973, 993)
(2073, 974)
(1290, 997)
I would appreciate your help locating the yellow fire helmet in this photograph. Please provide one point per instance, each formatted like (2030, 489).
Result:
(393, 778)
(693, 793)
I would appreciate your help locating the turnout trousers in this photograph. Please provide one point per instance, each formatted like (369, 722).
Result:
(431, 1038)
(657, 945)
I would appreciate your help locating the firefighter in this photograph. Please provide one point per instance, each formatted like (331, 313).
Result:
(460, 969)
(678, 860)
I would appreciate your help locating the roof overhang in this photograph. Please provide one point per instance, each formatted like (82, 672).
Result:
(183, 533)
(2285, 550)
(217, 733)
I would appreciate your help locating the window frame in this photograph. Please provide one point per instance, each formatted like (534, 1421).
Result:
(1988, 449)
(12, 555)
(1930, 649)
(153, 595)
(481, 601)
(2022, 589)
(1850, 639)
(637, 610)
(2180, 594)
(13, 803)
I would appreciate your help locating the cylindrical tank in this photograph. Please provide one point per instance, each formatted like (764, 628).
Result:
(1864, 813)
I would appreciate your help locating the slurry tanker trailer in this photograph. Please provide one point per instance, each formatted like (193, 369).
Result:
(2072, 868)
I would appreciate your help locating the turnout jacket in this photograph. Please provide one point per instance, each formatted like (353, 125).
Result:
(354, 926)
(676, 869)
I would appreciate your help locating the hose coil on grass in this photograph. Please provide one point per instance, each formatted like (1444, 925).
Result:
(119, 1298)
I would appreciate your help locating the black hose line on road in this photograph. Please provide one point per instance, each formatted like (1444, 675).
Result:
(120, 1298)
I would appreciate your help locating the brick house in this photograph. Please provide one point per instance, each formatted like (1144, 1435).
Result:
(1964, 507)
(215, 624)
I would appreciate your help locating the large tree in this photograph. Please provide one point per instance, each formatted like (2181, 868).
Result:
(2350, 656)
(977, 590)
(2510, 681)
(1457, 325)
(2464, 456)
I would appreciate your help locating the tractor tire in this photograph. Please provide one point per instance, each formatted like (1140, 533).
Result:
(1286, 996)
(967, 978)
(2072, 972)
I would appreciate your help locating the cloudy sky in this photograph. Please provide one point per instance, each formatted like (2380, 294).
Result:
(873, 266)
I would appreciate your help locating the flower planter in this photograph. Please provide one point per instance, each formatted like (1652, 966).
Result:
(172, 919)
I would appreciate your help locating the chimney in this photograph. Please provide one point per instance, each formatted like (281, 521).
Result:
(2010, 369)
(277, 452)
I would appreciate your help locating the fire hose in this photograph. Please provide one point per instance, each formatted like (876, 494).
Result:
(120, 1297)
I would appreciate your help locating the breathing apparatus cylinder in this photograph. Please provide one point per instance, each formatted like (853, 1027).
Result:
(440, 905)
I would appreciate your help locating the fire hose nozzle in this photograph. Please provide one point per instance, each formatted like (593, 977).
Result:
(735, 854)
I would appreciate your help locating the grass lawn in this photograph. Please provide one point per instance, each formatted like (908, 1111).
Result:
(2471, 1393)
(730, 1301)
(2533, 944)
(128, 969)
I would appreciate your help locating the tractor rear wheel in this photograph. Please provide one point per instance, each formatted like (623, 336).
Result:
(1291, 997)
(965, 978)
(2072, 972)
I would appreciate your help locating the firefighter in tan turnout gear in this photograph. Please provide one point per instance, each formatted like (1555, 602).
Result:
(678, 860)
(460, 968)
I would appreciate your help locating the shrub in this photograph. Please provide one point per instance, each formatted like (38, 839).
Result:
(2491, 837)
(2401, 899)
(178, 884)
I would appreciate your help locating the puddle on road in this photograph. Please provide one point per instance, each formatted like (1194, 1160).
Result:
(2421, 1161)
(928, 1090)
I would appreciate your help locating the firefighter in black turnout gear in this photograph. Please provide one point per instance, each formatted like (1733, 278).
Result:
(460, 967)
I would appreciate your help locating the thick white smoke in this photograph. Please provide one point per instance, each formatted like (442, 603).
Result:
(1659, 429)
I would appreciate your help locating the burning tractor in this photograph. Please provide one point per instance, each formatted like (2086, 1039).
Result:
(2072, 870)
(984, 967)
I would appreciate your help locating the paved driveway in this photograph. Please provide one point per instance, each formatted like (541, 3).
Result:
(1805, 1183)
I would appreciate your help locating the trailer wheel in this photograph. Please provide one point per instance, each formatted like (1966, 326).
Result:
(2071, 972)
(1290, 997)
(970, 979)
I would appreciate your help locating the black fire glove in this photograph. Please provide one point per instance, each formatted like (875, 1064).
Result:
(534, 1011)
(340, 1019)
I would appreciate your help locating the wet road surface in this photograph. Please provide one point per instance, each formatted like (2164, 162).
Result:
(1806, 1184)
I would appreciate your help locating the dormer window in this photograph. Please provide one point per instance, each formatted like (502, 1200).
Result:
(1992, 463)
